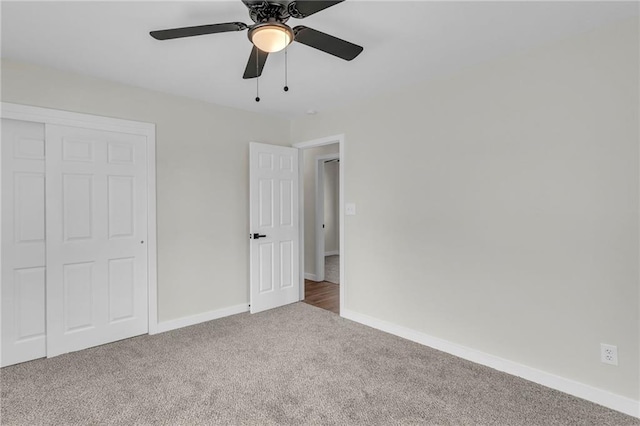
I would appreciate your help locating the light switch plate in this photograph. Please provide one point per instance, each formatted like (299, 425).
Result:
(350, 209)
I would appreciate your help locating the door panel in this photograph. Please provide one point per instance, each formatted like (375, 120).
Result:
(121, 190)
(96, 237)
(78, 283)
(286, 267)
(266, 267)
(29, 303)
(274, 213)
(23, 241)
(77, 203)
(121, 289)
(28, 192)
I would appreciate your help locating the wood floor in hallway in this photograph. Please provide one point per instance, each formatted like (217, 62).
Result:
(323, 294)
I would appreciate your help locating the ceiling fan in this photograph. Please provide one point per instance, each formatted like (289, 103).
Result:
(271, 34)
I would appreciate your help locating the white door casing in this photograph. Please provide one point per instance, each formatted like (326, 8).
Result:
(96, 235)
(23, 241)
(274, 213)
(339, 139)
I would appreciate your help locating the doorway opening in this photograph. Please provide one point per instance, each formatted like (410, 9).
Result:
(327, 224)
(321, 224)
(321, 212)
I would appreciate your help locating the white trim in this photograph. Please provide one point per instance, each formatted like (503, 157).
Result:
(74, 119)
(572, 387)
(332, 253)
(341, 140)
(319, 214)
(301, 222)
(312, 277)
(88, 121)
(200, 318)
(319, 142)
(342, 262)
(152, 241)
(1, 363)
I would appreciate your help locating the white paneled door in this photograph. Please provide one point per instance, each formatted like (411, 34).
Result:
(274, 234)
(96, 231)
(23, 241)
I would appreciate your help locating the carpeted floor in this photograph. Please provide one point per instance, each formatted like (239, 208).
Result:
(332, 269)
(293, 365)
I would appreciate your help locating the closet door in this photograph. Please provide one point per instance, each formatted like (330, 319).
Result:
(96, 237)
(23, 242)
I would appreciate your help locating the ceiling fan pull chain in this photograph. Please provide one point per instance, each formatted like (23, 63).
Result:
(257, 89)
(286, 64)
(257, 76)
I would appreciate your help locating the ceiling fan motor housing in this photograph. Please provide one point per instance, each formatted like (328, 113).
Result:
(272, 11)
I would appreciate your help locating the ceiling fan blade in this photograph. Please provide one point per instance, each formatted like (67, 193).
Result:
(327, 43)
(302, 8)
(198, 30)
(255, 64)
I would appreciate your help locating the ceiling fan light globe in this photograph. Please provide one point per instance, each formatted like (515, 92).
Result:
(271, 38)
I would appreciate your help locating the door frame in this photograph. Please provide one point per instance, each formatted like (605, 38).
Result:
(341, 140)
(320, 161)
(66, 118)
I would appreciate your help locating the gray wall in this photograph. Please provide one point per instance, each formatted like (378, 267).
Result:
(202, 170)
(504, 201)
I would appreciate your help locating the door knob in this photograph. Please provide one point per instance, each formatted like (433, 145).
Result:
(257, 236)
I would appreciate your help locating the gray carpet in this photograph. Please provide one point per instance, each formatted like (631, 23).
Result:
(332, 269)
(293, 365)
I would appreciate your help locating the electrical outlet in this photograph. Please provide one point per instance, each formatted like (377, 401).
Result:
(609, 354)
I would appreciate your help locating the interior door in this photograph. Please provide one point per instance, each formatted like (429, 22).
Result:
(274, 233)
(96, 219)
(23, 241)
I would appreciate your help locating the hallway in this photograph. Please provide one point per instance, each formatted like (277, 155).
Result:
(323, 295)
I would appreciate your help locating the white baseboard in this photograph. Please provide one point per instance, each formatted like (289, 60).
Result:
(581, 390)
(312, 277)
(332, 253)
(198, 318)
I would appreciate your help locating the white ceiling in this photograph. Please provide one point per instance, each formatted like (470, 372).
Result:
(404, 42)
